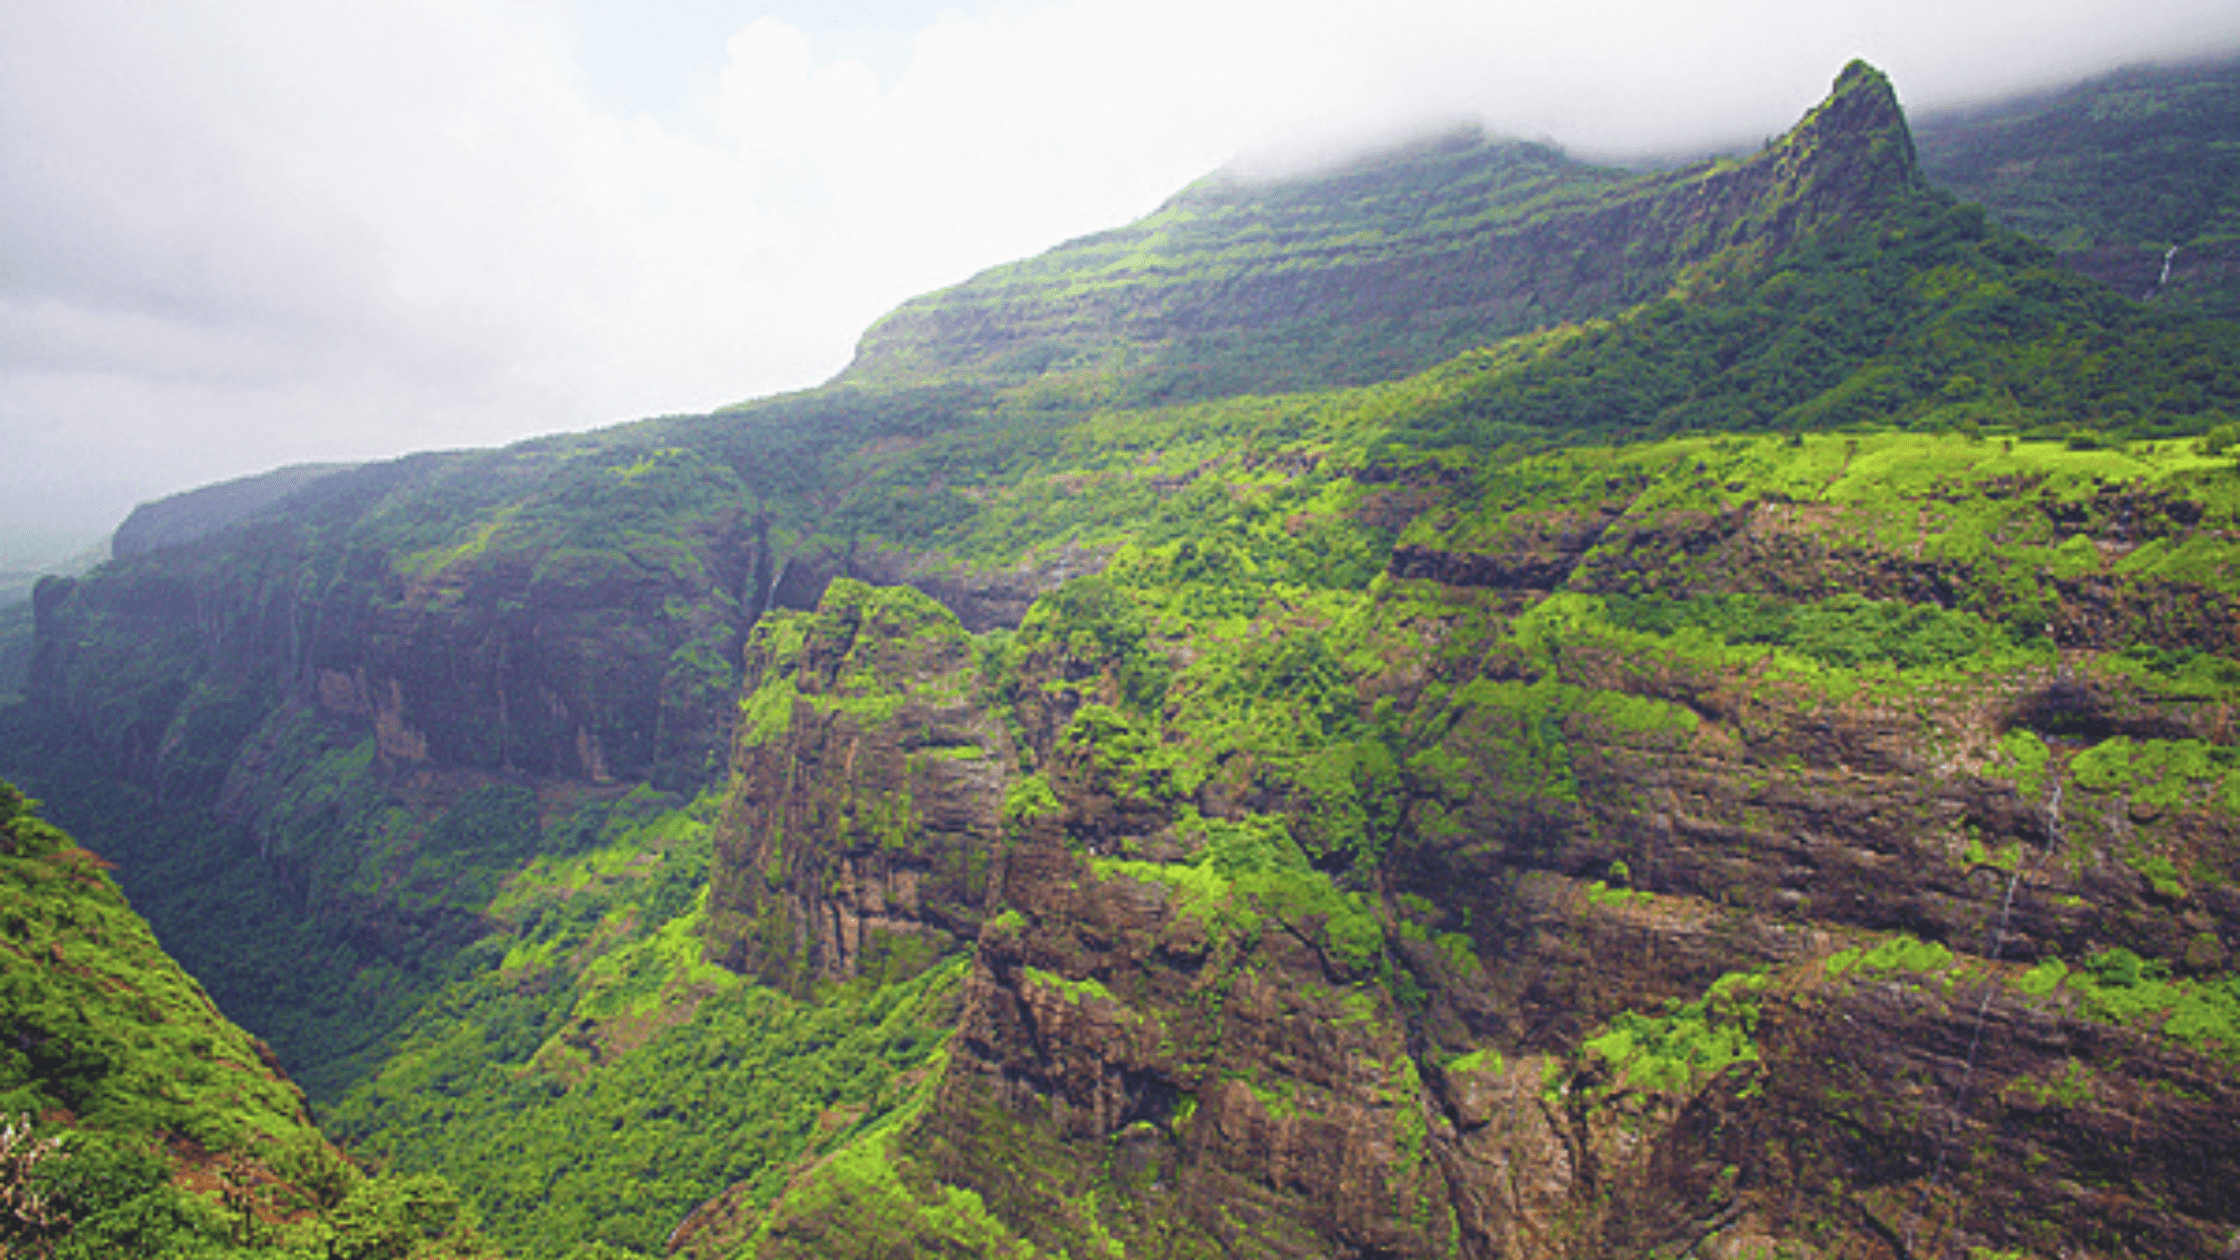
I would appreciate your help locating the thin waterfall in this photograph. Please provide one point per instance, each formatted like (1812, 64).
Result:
(1997, 945)
(2164, 278)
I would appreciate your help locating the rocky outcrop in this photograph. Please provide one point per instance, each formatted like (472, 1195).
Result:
(598, 664)
(863, 827)
(981, 600)
(1666, 955)
(1535, 554)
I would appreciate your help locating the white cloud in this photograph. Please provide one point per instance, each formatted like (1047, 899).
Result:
(239, 233)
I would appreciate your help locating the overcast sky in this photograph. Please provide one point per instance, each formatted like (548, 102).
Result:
(236, 234)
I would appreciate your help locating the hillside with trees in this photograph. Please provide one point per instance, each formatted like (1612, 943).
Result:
(1465, 704)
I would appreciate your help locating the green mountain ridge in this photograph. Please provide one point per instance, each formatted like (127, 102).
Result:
(2130, 176)
(1203, 743)
(1383, 267)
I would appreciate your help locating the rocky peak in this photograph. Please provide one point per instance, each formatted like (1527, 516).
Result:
(1856, 141)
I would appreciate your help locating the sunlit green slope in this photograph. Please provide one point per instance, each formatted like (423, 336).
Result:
(139, 1120)
(592, 1080)
(1383, 265)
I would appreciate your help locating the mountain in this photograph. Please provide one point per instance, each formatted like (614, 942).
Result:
(184, 517)
(137, 1120)
(1383, 266)
(1461, 704)
(16, 642)
(2131, 176)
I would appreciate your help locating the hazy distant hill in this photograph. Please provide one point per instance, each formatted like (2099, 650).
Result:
(2114, 173)
(191, 514)
(15, 585)
(15, 649)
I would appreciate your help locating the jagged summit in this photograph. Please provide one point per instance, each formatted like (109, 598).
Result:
(1387, 263)
(1855, 144)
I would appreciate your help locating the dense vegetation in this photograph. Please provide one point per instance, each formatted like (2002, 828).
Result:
(591, 1012)
(15, 649)
(1151, 800)
(1380, 267)
(2114, 173)
(2140, 156)
(137, 1121)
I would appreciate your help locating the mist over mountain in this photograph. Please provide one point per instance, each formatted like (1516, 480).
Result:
(254, 234)
(1458, 702)
(2129, 176)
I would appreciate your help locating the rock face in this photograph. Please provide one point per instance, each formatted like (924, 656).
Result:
(543, 661)
(980, 600)
(865, 812)
(1265, 1098)
(1667, 949)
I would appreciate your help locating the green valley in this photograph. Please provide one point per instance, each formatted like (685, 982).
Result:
(1464, 704)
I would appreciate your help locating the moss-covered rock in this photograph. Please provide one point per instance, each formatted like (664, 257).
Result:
(862, 829)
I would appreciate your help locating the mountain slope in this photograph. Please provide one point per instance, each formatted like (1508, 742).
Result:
(73, 947)
(140, 1121)
(563, 617)
(2132, 177)
(1387, 264)
(1512, 901)
(1749, 769)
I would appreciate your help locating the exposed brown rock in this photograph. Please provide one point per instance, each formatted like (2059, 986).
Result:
(863, 820)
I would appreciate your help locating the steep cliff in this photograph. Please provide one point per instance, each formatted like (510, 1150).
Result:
(865, 809)
(1746, 770)
(1796, 853)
